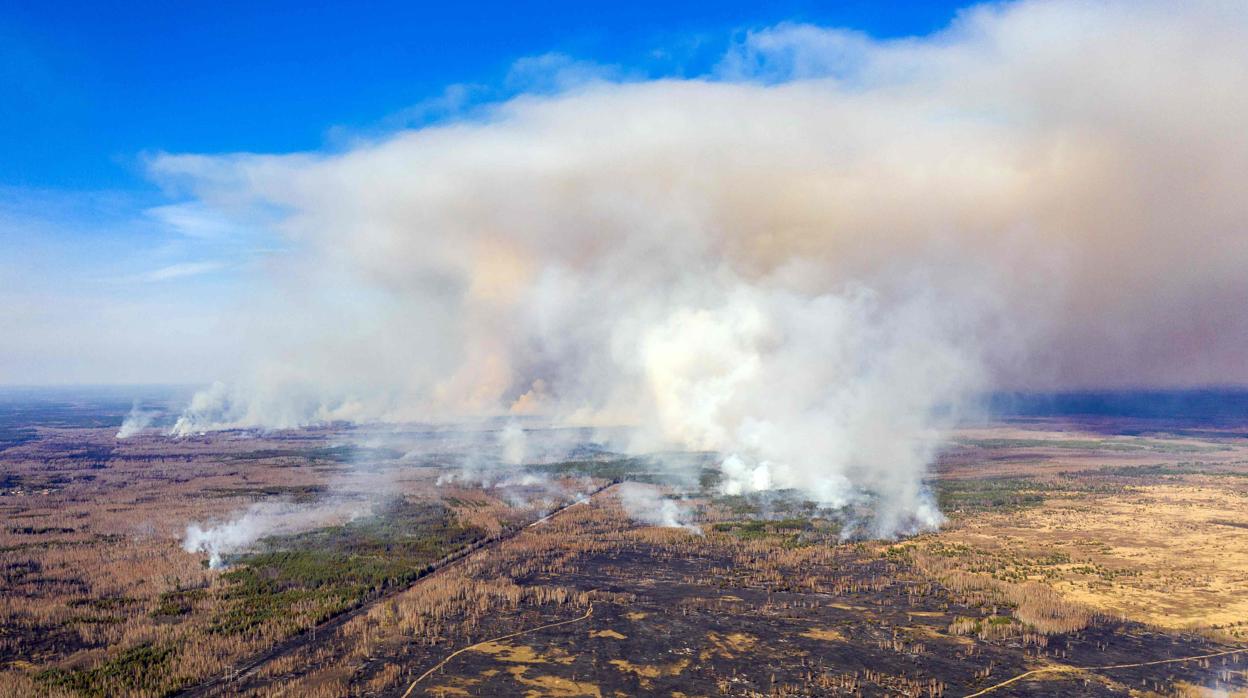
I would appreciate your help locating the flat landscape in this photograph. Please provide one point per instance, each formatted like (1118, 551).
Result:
(553, 350)
(1078, 558)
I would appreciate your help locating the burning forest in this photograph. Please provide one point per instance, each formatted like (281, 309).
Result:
(828, 352)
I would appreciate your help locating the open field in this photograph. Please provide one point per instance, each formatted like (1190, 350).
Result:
(1084, 559)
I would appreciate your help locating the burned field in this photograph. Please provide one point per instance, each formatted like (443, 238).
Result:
(1076, 560)
(648, 611)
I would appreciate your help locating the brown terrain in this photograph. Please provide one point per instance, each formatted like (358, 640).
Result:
(1079, 558)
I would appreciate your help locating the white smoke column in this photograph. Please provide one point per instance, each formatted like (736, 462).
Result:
(646, 503)
(136, 421)
(832, 395)
(806, 262)
(512, 440)
(262, 520)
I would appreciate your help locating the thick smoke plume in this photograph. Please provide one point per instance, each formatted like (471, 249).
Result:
(807, 262)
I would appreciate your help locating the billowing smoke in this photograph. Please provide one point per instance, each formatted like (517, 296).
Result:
(830, 394)
(646, 503)
(808, 262)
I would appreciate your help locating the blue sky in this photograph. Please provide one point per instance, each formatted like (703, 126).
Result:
(95, 250)
(91, 86)
(96, 253)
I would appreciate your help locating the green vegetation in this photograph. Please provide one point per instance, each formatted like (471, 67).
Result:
(789, 503)
(143, 667)
(1117, 445)
(789, 533)
(899, 553)
(104, 603)
(178, 603)
(288, 584)
(996, 494)
(1000, 565)
(791, 524)
(300, 494)
(332, 570)
(1146, 471)
(751, 530)
(738, 505)
(681, 469)
(635, 469)
(350, 453)
(950, 549)
(342, 453)
(1074, 444)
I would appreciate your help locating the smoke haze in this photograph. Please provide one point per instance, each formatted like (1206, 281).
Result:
(136, 421)
(646, 503)
(809, 262)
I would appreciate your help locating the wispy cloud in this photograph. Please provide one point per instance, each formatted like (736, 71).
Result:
(544, 74)
(194, 220)
(550, 73)
(794, 52)
(181, 271)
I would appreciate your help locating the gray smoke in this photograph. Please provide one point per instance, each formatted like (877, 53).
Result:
(808, 262)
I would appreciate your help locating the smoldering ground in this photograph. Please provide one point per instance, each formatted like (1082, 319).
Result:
(808, 261)
(375, 464)
(648, 505)
(220, 539)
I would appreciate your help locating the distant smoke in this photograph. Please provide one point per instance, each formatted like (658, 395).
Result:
(808, 262)
(136, 421)
(513, 442)
(646, 503)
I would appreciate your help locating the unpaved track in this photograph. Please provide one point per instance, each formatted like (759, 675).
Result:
(220, 684)
(589, 612)
(1066, 669)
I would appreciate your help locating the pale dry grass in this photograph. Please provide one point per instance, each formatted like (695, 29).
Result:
(1171, 555)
